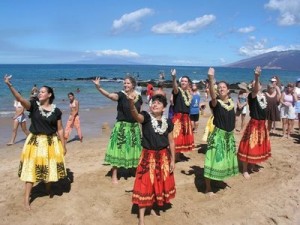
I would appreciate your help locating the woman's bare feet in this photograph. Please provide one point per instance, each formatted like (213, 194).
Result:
(246, 175)
(154, 213)
(27, 206)
(9, 143)
(210, 194)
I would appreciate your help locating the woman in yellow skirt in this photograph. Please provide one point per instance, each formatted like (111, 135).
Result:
(42, 157)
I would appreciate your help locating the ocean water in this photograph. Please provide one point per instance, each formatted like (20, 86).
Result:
(63, 79)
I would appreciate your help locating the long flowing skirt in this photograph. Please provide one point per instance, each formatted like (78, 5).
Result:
(255, 144)
(153, 180)
(182, 132)
(221, 156)
(42, 159)
(124, 147)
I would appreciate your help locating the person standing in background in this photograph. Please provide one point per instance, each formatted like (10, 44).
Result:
(18, 119)
(74, 120)
(195, 107)
(297, 105)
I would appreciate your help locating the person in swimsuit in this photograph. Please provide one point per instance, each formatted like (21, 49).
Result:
(18, 118)
(74, 120)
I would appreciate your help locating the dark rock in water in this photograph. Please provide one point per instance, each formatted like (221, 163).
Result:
(234, 86)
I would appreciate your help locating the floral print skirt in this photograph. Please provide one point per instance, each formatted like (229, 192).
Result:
(42, 159)
(124, 147)
(153, 181)
(220, 158)
(255, 144)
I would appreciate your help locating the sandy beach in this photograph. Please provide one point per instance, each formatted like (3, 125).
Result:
(87, 196)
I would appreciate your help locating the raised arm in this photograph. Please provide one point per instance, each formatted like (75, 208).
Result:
(112, 96)
(174, 81)
(135, 114)
(255, 89)
(24, 102)
(211, 79)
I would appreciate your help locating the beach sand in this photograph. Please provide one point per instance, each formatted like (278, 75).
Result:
(87, 196)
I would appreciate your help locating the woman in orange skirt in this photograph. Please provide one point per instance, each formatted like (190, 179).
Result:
(182, 98)
(255, 144)
(154, 180)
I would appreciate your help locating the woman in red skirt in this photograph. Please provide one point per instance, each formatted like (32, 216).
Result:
(154, 180)
(255, 144)
(182, 98)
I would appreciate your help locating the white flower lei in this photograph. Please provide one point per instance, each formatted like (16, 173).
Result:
(43, 113)
(225, 106)
(164, 125)
(187, 99)
(262, 101)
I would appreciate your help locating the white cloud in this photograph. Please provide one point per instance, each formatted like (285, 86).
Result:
(246, 29)
(119, 53)
(254, 48)
(289, 11)
(131, 20)
(173, 27)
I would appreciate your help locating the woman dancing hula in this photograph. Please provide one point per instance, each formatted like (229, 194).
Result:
(221, 156)
(124, 147)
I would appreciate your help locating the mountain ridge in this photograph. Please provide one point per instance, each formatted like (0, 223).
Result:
(284, 60)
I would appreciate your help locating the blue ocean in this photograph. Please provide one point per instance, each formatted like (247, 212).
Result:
(64, 79)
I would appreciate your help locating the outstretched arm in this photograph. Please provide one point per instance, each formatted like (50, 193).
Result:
(211, 75)
(112, 96)
(174, 82)
(24, 102)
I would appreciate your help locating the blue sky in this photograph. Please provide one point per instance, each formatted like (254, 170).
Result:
(191, 32)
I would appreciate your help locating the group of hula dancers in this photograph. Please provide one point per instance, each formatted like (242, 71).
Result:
(152, 143)
(155, 152)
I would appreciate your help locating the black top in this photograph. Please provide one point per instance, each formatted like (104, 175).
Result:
(152, 140)
(223, 119)
(41, 124)
(123, 108)
(179, 105)
(256, 112)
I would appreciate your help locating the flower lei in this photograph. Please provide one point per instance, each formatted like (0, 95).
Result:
(136, 97)
(187, 97)
(164, 125)
(225, 106)
(262, 101)
(46, 114)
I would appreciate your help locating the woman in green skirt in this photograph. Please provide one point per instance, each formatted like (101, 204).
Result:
(124, 147)
(221, 156)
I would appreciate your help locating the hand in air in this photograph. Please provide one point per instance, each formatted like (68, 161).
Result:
(257, 71)
(97, 81)
(7, 78)
(173, 72)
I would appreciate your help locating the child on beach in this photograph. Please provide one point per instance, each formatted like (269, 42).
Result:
(220, 158)
(124, 147)
(42, 157)
(255, 144)
(154, 181)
